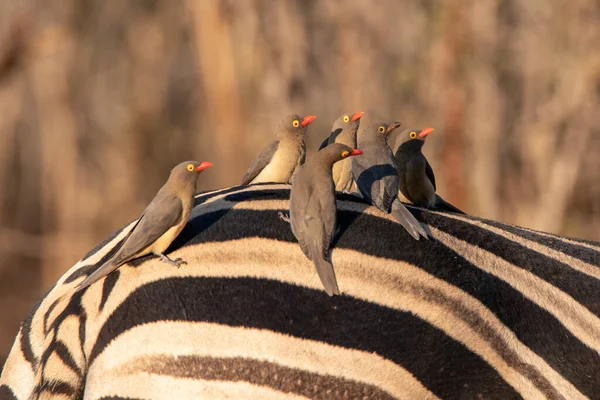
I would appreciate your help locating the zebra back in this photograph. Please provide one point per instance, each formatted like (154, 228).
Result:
(484, 310)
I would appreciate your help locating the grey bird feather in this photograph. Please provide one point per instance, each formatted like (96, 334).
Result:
(160, 223)
(279, 159)
(376, 176)
(415, 175)
(343, 131)
(313, 210)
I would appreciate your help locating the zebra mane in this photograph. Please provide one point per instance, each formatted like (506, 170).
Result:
(482, 309)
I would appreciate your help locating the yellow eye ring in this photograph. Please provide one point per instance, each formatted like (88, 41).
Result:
(296, 123)
(190, 167)
(413, 135)
(346, 118)
(381, 129)
(345, 154)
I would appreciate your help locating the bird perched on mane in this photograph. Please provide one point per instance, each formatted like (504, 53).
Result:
(344, 132)
(160, 223)
(278, 161)
(376, 175)
(415, 175)
(313, 209)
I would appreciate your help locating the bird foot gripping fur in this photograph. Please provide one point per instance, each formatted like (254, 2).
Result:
(178, 262)
(284, 217)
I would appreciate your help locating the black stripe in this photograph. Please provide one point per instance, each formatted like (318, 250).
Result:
(259, 195)
(6, 393)
(25, 336)
(48, 312)
(108, 286)
(63, 352)
(55, 387)
(283, 379)
(443, 365)
(574, 250)
(576, 284)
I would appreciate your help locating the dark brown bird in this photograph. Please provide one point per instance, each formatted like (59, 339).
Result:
(313, 209)
(160, 223)
(344, 132)
(415, 176)
(376, 175)
(278, 161)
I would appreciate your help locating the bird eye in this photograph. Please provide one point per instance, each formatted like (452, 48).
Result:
(413, 135)
(345, 154)
(346, 118)
(190, 167)
(296, 123)
(381, 129)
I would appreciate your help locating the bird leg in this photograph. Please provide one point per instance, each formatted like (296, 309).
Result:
(284, 217)
(178, 262)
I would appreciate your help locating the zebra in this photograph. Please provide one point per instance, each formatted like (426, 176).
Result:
(482, 311)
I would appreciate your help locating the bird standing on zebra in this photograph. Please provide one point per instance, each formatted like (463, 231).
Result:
(343, 131)
(313, 209)
(278, 160)
(415, 175)
(160, 223)
(376, 175)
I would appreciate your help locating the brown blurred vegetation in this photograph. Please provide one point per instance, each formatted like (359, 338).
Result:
(99, 99)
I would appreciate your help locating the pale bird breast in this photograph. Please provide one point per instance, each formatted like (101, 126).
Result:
(282, 164)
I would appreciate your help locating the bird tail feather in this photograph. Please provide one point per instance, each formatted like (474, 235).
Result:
(443, 205)
(98, 274)
(327, 275)
(407, 220)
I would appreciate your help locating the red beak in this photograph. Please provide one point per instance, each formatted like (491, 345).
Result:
(308, 119)
(357, 115)
(425, 132)
(204, 165)
(356, 152)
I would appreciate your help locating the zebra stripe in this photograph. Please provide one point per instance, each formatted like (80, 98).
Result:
(484, 310)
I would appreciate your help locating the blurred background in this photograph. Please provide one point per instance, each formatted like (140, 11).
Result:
(99, 99)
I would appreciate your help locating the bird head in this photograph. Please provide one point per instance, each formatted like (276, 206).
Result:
(185, 174)
(377, 132)
(337, 151)
(347, 123)
(409, 138)
(295, 125)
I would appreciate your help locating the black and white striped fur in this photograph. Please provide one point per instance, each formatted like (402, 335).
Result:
(485, 310)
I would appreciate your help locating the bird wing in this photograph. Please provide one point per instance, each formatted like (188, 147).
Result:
(429, 173)
(263, 159)
(443, 205)
(324, 144)
(163, 213)
(313, 223)
(376, 176)
(402, 162)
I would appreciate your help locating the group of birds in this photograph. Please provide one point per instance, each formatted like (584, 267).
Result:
(380, 163)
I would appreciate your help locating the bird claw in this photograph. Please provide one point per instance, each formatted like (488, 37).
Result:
(178, 262)
(284, 217)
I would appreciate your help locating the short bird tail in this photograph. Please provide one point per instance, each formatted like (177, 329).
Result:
(407, 220)
(443, 205)
(327, 275)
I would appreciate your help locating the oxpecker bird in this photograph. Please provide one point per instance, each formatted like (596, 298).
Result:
(376, 175)
(344, 132)
(415, 176)
(278, 161)
(160, 223)
(313, 210)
